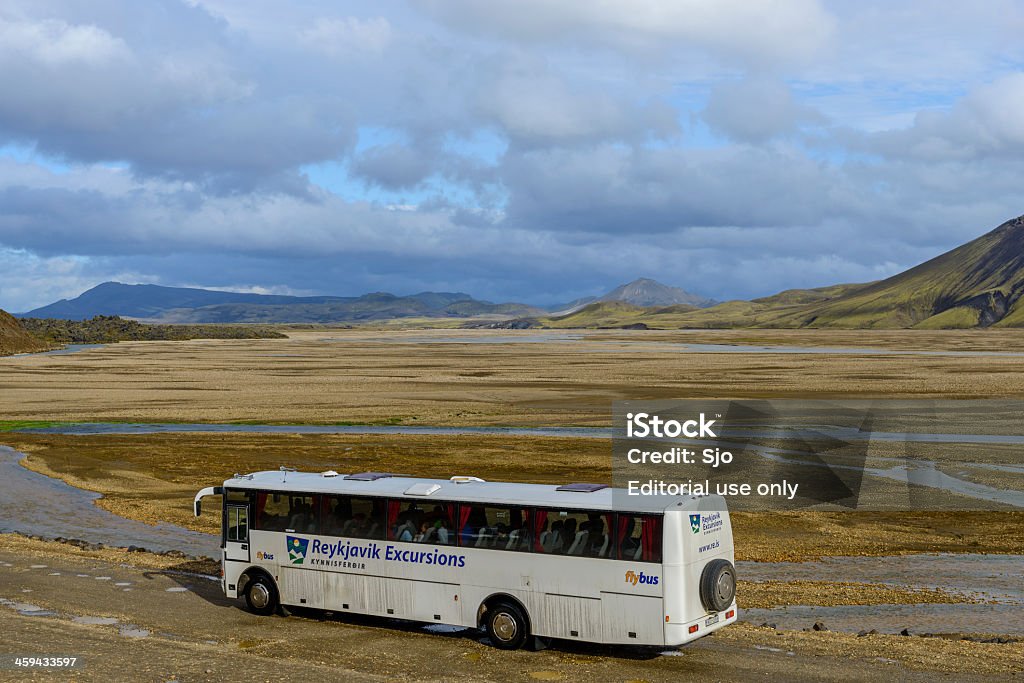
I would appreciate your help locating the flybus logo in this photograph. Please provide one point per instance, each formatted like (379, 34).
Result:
(695, 523)
(297, 548)
(632, 578)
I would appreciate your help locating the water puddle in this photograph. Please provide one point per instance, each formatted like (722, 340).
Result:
(530, 338)
(26, 609)
(129, 631)
(994, 579)
(35, 504)
(892, 619)
(67, 350)
(127, 428)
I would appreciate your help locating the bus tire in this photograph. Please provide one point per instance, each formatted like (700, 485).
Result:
(717, 585)
(507, 626)
(261, 595)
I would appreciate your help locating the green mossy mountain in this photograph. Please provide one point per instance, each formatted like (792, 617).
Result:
(979, 284)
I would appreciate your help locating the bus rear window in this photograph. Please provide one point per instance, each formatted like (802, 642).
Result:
(638, 537)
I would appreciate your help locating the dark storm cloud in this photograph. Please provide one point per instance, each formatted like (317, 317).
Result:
(516, 150)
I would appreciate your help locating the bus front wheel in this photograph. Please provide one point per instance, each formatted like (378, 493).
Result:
(261, 596)
(506, 626)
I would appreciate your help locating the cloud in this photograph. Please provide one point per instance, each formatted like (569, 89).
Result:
(743, 31)
(349, 36)
(55, 43)
(985, 123)
(756, 110)
(516, 150)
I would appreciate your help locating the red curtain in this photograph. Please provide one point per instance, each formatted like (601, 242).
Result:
(261, 505)
(650, 536)
(393, 508)
(464, 512)
(539, 519)
(620, 536)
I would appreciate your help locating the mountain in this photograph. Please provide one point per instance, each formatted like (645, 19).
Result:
(647, 292)
(618, 314)
(189, 305)
(979, 284)
(15, 339)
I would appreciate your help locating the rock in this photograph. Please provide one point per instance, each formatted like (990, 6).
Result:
(768, 625)
(905, 632)
(818, 626)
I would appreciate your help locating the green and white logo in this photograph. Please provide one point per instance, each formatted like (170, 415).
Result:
(695, 523)
(297, 549)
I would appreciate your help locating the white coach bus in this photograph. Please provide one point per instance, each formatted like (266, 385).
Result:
(519, 560)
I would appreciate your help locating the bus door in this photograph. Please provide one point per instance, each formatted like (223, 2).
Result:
(236, 529)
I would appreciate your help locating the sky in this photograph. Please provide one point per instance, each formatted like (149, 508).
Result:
(521, 150)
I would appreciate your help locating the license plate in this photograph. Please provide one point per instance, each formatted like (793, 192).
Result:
(711, 620)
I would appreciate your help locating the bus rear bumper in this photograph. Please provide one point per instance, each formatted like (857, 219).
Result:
(680, 634)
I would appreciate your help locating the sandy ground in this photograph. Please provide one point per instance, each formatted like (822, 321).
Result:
(147, 620)
(356, 377)
(197, 635)
(153, 478)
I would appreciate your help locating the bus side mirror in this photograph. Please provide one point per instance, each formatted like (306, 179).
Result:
(198, 508)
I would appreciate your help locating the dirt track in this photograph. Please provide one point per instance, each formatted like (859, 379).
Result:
(197, 635)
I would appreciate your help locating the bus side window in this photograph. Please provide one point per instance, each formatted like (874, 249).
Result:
(367, 518)
(506, 528)
(638, 537)
(302, 514)
(570, 532)
(271, 513)
(335, 511)
(415, 524)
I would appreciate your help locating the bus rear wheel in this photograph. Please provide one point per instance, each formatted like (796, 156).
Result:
(506, 626)
(718, 585)
(261, 596)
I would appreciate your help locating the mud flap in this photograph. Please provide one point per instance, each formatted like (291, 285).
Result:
(537, 643)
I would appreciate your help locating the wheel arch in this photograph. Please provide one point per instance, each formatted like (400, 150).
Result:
(252, 572)
(498, 598)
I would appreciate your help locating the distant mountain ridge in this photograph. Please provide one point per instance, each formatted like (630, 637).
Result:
(157, 303)
(979, 284)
